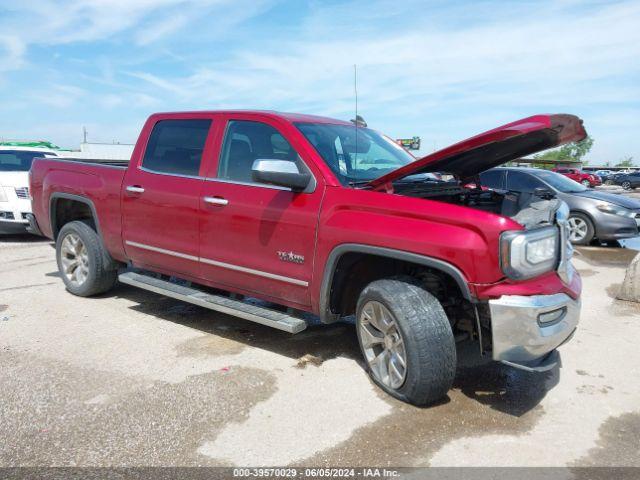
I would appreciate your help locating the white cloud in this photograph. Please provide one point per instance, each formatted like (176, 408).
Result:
(539, 59)
(12, 51)
(157, 30)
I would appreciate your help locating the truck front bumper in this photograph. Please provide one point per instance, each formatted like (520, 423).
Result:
(526, 330)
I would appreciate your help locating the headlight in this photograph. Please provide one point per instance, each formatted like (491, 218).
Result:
(3, 196)
(528, 254)
(616, 210)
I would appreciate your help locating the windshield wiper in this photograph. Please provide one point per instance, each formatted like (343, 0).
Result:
(358, 183)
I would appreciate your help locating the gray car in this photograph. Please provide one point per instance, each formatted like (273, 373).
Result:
(594, 214)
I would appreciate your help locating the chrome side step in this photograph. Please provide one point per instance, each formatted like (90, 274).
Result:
(219, 303)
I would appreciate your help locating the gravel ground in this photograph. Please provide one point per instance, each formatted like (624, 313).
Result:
(135, 379)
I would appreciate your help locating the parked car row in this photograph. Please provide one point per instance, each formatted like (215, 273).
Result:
(593, 214)
(15, 203)
(628, 181)
(586, 179)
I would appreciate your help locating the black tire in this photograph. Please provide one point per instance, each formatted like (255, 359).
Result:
(591, 231)
(586, 183)
(102, 270)
(428, 340)
(627, 185)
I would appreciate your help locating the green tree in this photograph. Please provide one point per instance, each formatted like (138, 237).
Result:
(572, 152)
(625, 162)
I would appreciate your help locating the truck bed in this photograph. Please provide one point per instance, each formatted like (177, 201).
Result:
(96, 181)
(93, 161)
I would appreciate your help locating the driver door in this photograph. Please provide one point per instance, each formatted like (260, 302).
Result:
(257, 238)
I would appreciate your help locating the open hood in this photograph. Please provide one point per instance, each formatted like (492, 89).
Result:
(495, 147)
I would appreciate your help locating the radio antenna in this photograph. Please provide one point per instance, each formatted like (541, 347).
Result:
(355, 87)
(355, 91)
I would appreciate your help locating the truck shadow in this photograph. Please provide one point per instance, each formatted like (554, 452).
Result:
(505, 389)
(501, 388)
(322, 342)
(22, 238)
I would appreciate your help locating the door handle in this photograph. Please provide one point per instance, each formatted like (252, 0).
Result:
(216, 201)
(135, 189)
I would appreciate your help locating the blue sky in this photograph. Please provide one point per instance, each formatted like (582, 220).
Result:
(439, 69)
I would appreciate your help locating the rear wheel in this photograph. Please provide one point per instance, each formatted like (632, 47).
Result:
(627, 185)
(586, 183)
(581, 229)
(406, 340)
(84, 264)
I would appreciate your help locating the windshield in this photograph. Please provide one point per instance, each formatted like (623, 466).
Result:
(352, 158)
(560, 182)
(17, 160)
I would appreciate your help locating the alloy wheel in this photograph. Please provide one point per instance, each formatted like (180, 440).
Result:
(578, 229)
(626, 185)
(382, 344)
(75, 259)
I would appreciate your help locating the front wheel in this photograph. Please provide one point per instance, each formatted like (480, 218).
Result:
(586, 183)
(406, 340)
(84, 264)
(581, 229)
(626, 185)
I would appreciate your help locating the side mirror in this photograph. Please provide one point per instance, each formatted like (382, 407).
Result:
(280, 172)
(544, 193)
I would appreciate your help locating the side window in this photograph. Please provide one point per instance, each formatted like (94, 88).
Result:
(18, 160)
(175, 146)
(247, 141)
(522, 182)
(493, 179)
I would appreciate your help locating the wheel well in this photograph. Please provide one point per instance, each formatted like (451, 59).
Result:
(586, 214)
(65, 210)
(355, 270)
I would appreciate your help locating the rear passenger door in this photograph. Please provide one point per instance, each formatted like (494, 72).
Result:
(160, 197)
(258, 238)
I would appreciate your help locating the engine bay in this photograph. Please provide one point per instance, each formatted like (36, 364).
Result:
(528, 209)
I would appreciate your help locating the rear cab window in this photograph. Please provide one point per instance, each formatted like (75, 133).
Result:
(175, 147)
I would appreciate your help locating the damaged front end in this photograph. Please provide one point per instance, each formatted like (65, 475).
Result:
(521, 331)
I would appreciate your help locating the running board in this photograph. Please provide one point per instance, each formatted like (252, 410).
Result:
(219, 303)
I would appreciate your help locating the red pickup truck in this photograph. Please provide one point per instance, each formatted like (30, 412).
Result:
(272, 217)
(586, 179)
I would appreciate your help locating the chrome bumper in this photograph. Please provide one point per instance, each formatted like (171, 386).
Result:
(522, 339)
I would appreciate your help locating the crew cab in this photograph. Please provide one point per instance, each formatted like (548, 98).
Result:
(586, 179)
(285, 219)
(15, 205)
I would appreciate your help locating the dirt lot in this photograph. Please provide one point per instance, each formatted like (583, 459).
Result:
(133, 378)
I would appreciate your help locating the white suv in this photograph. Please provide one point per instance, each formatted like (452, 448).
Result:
(15, 202)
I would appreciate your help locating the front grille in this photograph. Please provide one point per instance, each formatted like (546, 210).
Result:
(6, 215)
(22, 192)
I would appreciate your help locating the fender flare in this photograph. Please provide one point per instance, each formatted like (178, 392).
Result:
(55, 196)
(332, 261)
(87, 201)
